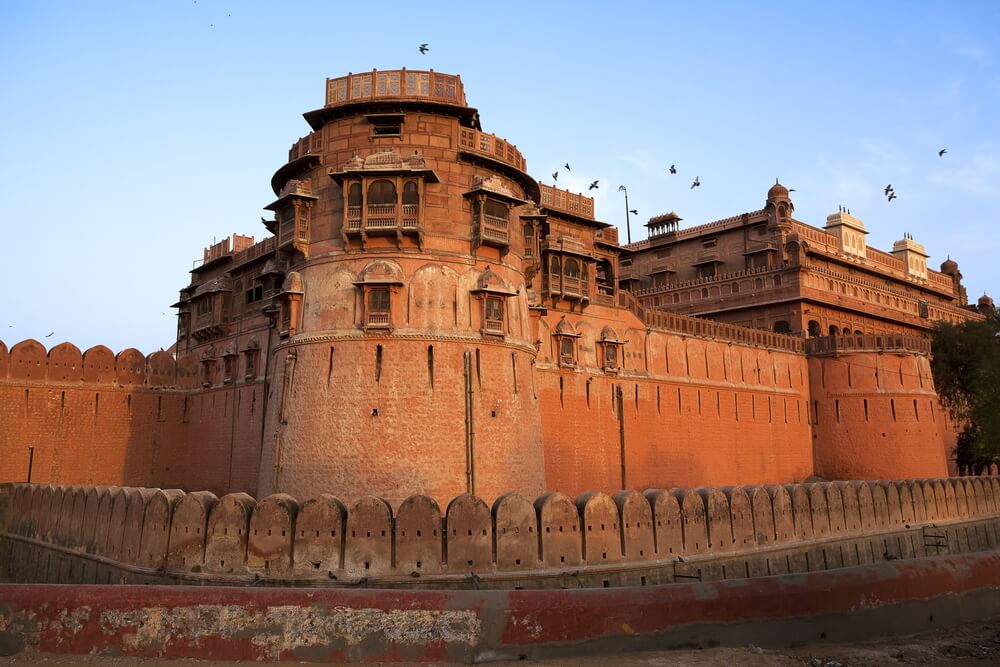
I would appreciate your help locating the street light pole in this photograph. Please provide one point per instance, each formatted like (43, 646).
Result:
(628, 225)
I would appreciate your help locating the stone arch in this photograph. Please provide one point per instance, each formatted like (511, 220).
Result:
(559, 528)
(331, 303)
(368, 543)
(28, 361)
(515, 529)
(130, 367)
(741, 512)
(667, 525)
(433, 298)
(155, 540)
(272, 530)
(763, 516)
(65, 363)
(99, 365)
(468, 535)
(601, 528)
(636, 524)
(318, 545)
(228, 528)
(189, 530)
(720, 520)
(418, 536)
(586, 345)
(694, 522)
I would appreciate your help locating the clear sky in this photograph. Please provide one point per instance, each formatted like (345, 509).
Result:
(132, 134)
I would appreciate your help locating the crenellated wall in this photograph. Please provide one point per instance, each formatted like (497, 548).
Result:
(89, 534)
(102, 418)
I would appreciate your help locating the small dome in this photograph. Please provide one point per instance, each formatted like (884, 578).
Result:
(949, 266)
(985, 300)
(777, 190)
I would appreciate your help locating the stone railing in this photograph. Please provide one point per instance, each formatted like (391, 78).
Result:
(491, 146)
(110, 535)
(699, 282)
(867, 343)
(395, 84)
(564, 200)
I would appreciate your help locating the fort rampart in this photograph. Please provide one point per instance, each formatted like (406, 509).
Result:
(90, 534)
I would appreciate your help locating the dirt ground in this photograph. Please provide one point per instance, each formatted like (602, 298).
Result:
(970, 644)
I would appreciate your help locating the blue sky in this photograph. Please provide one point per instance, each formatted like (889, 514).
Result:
(133, 134)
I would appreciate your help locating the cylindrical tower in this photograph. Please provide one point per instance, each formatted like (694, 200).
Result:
(402, 360)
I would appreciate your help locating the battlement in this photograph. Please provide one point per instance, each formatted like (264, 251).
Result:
(566, 201)
(64, 363)
(396, 84)
(142, 535)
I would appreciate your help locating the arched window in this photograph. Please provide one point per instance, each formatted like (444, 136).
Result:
(677, 297)
(736, 288)
(858, 332)
(495, 210)
(782, 327)
(704, 292)
(354, 195)
(381, 193)
(410, 195)
(758, 283)
(833, 329)
(554, 265)
(813, 328)
(571, 268)
(777, 281)
(847, 331)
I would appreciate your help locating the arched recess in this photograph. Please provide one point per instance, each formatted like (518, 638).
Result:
(331, 303)
(433, 298)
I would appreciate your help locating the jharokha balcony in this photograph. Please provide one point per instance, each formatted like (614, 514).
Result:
(383, 219)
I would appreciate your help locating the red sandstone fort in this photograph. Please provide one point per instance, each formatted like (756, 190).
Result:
(423, 316)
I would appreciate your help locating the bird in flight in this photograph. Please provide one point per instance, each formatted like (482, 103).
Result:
(593, 186)
(942, 152)
(892, 195)
(888, 189)
(696, 183)
(566, 167)
(423, 49)
(49, 334)
(633, 211)
(555, 175)
(673, 169)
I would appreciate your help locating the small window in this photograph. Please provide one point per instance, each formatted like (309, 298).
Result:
(411, 197)
(625, 261)
(706, 270)
(761, 230)
(495, 211)
(494, 314)
(814, 329)
(736, 288)
(387, 128)
(378, 307)
(566, 351)
(610, 355)
(782, 327)
(572, 268)
(554, 265)
(251, 364)
(381, 193)
(709, 243)
(833, 329)
(255, 293)
(229, 366)
(354, 195)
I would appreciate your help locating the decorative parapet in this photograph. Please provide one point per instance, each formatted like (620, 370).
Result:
(401, 84)
(564, 200)
(594, 540)
(833, 345)
(491, 146)
(226, 247)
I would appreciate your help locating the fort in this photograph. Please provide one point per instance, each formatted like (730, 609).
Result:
(436, 372)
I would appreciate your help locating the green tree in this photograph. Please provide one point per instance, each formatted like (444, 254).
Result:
(966, 368)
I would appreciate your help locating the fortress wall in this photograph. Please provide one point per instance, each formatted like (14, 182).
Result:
(703, 412)
(751, 530)
(347, 405)
(100, 418)
(877, 417)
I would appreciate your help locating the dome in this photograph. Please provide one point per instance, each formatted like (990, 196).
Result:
(777, 190)
(985, 300)
(949, 266)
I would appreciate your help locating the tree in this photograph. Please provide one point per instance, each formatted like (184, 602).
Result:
(966, 368)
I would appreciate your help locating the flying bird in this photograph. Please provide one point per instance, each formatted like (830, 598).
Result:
(696, 183)
(942, 152)
(555, 175)
(566, 167)
(423, 49)
(791, 189)
(673, 169)
(593, 186)
(633, 211)
(888, 189)
(49, 334)
(892, 195)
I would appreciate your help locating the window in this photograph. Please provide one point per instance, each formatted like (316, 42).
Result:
(381, 193)
(610, 356)
(378, 307)
(781, 327)
(494, 314)
(255, 293)
(706, 270)
(554, 265)
(567, 351)
(833, 329)
(777, 281)
(205, 305)
(250, 362)
(571, 268)
(354, 195)
(761, 230)
(229, 367)
(736, 288)
(411, 197)
(813, 328)
(495, 211)
(708, 243)
(387, 128)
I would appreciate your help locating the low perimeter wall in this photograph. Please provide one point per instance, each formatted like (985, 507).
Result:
(337, 625)
(129, 535)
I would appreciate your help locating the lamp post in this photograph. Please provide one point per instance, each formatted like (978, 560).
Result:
(628, 226)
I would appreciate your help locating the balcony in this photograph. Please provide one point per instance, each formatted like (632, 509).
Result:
(494, 230)
(573, 288)
(382, 219)
(494, 326)
(832, 345)
(378, 320)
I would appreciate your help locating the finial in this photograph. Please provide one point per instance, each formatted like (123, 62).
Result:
(775, 180)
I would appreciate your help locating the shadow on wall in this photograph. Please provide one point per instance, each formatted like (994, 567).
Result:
(177, 532)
